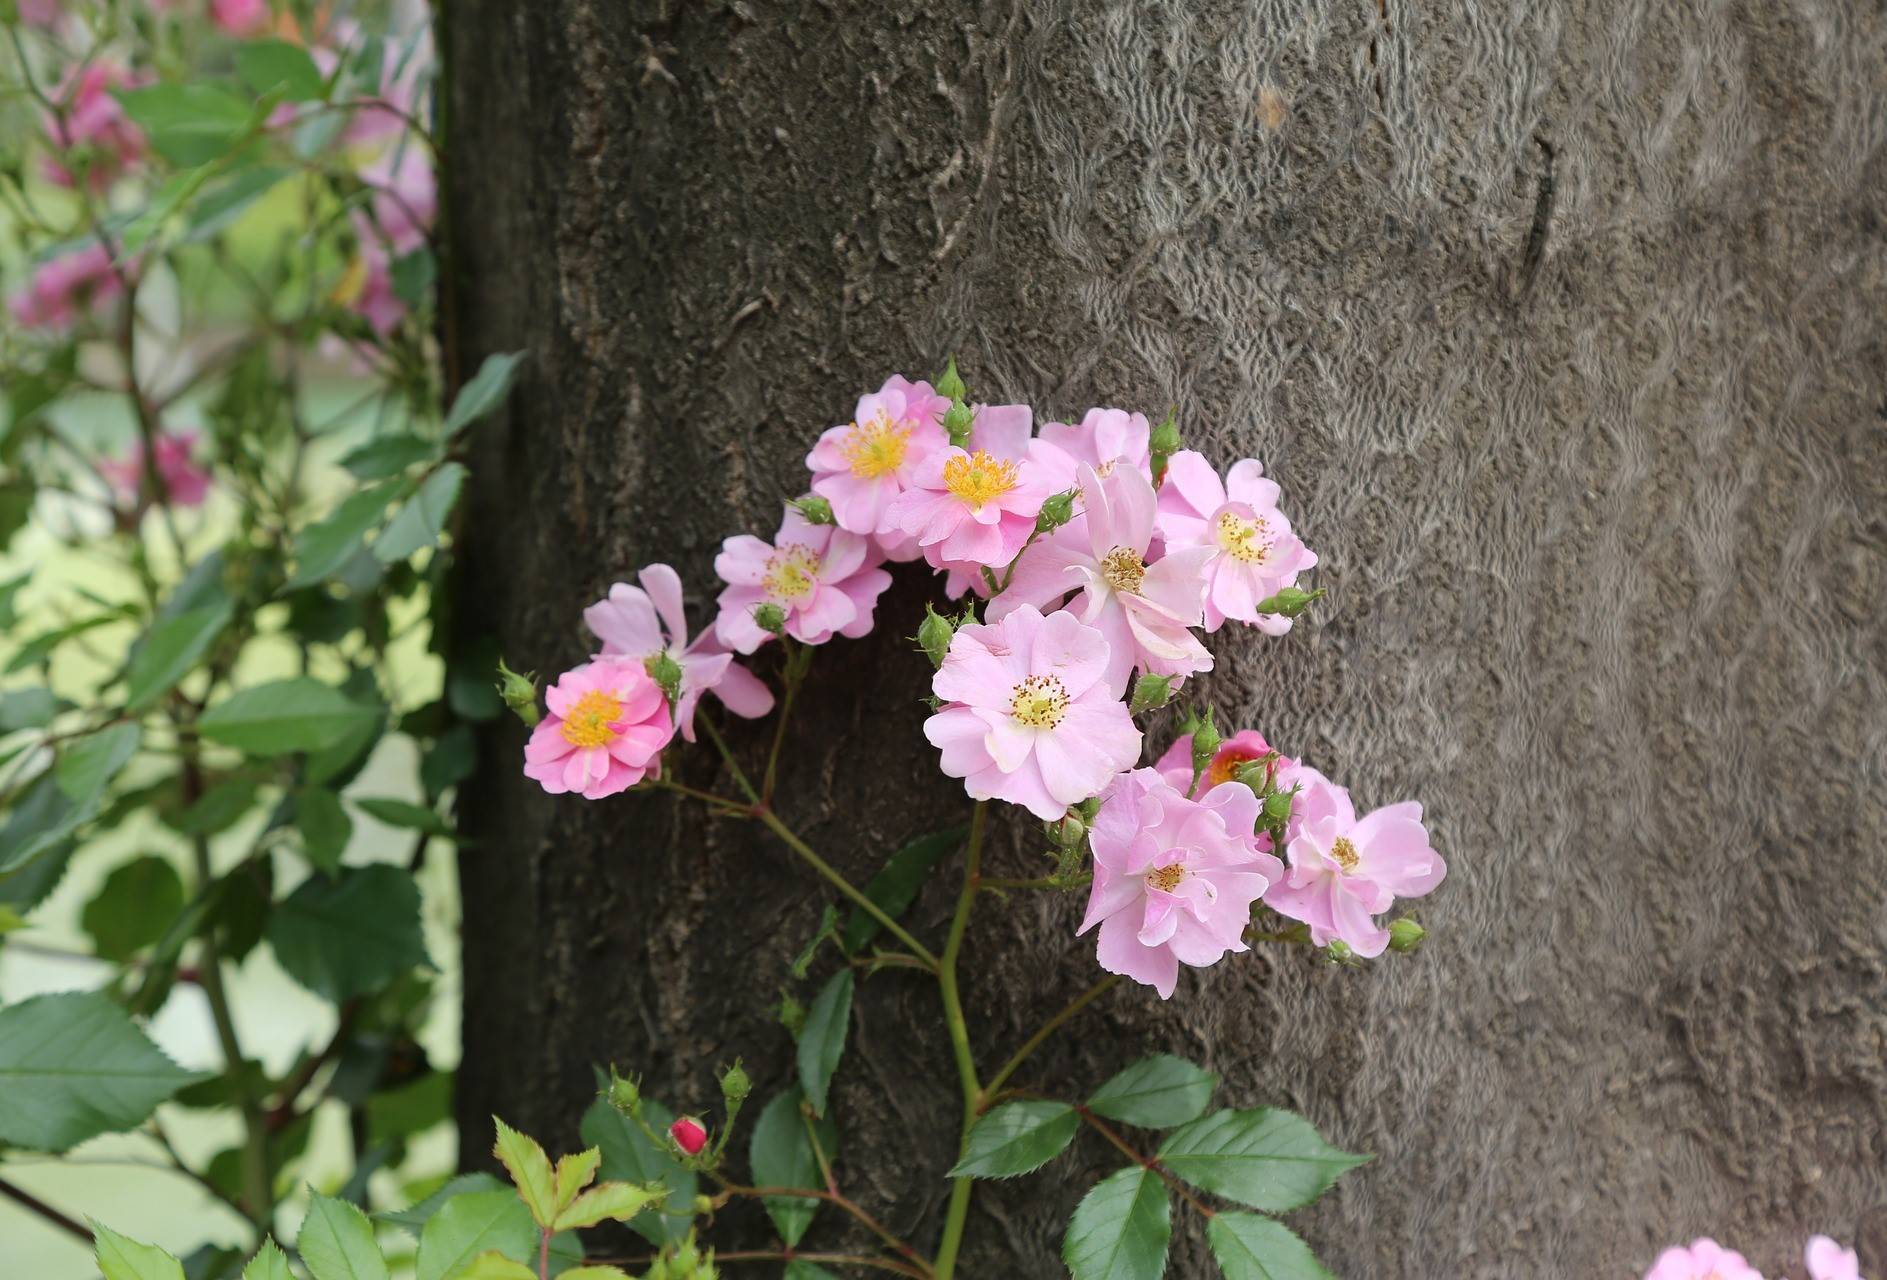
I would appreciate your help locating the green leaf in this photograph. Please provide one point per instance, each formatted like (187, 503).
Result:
(270, 1263)
(1017, 1137)
(188, 124)
(1156, 1093)
(530, 1171)
(10, 592)
(608, 1201)
(401, 813)
(822, 1042)
(1266, 1158)
(389, 455)
(349, 936)
(170, 649)
(895, 886)
(485, 392)
(782, 1156)
(217, 809)
(450, 761)
(1120, 1229)
(336, 1242)
(281, 716)
(32, 707)
(40, 821)
(324, 825)
(800, 1269)
(1249, 1247)
(394, 1115)
(413, 276)
(134, 907)
(269, 64)
(629, 1156)
(85, 767)
(419, 523)
(495, 1266)
(324, 547)
(575, 1172)
(414, 1217)
(73, 1066)
(121, 1258)
(227, 201)
(595, 1273)
(468, 1225)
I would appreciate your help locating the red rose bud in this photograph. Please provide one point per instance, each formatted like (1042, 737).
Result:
(688, 1134)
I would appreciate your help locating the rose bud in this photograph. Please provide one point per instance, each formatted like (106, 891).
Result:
(688, 1134)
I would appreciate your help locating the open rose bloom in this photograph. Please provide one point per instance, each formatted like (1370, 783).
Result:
(862, 467)
(607, 726)
(1827, 1260)
(1703, 1259)
(1251, 551)
(824, 581)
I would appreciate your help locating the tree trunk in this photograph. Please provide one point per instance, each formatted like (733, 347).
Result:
(1561, 325)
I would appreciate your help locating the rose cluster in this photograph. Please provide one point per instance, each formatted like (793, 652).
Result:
(1705, 1259)
(1098, 552)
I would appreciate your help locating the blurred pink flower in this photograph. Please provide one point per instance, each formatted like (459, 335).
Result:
(1345, 870)
(1174, 879)
(186, 483)
(42, 13)
(1704, 1260)
(1827, 1260)
(642, 623)
(1245, 745)
(61, 287)
(1028, 719)
(605, 730)
(860, 467)
(406, 195)
(1253, 551)
(823, 579)
(93, 121)
(367, 288)
(241, 17)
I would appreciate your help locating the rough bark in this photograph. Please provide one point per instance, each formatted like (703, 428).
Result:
(1604, 539)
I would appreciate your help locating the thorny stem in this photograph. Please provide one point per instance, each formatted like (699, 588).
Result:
(1042, 1034)
(958, 1212)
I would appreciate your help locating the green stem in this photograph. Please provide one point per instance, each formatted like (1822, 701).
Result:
(844, 886)
(1046, 1030)
(797, 660)
(958, 1212)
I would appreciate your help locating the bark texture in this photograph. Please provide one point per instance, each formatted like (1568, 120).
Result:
(1602, 521)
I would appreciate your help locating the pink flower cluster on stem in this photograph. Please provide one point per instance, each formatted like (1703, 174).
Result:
(65, 288)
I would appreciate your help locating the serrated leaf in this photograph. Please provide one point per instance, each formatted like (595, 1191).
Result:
(324, 825)
(418, 524)
(324, 547)
(414, 1217)
(1249, 1247)
(629, 1156)
(1265, 1158)
(1156, 1093)
(85, 767)
(270, 1263)
(896, 885)
(1120, 1229)
(822, 1040)
(300, 714)
(575, 1172)
(468, 1225)
(402, 813)
(1017, 1138)
(346, 937)
(495, 1266)
(271, 64)
(134, 907)
(484, 392)
(336, 1242)
(530, 1172)
(782, 1156)
(122, 1258)
(170, 649)
(73, 1066)
(610, 1201)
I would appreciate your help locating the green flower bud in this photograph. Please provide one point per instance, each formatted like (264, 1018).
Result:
(735, 1086)
(950, 385)
(703, 1204)
(1289, 602)
(1150, 694)
(1278, 805)
(934, 634)
(624, 1093)
(1165, 438)
(1338, 952)
(666, 672)
(771, 618)
(1205, 741)
(814, 508)
(956, 420)
(1070, 831)
(1405, 935)
(519, 693)
(1057, 511)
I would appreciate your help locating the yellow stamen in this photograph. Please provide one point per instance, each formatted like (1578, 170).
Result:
(1039, 702)
(978, 478)
(589, 721)
(1124, 569)
(1344, 854)
(1166, 879)
(875, 447)
(1246, 540)
(792, 572)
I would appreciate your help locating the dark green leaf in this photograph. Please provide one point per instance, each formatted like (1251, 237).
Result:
(419, 523)
(822, 1041)
(73, 1066)
(413, 275)
(188, 124)
(1266, 1158)
(468, 1225)
(218, 809)
(41, 647)
(242, 902)
(224, 202)
(9, 600)
(389, 455)
(343, 938)
(1120, 1229)
(170, 649)
(324, 547)
(800, 1269)
(324, 825)
(396, 1114)
(400, 813)
(415, 1217)
(1249, 1247)
(782, 1156)
(1016, 1138)
(133, 907)
(89, 764)
(1156, 1093)
(40, 820)
(485, 392)
(895, 887)
(451, 760)
(269, 64)
(32, 707)
(299, 714)
(629, 1156)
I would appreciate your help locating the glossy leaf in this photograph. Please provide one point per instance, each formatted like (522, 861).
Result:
(73, 1066)
(822, 1040)
(1120, 1229)
(1266, 1158)
(1249, 1247)
(345, 937)
(896, 885)
(468, 1225)
(1017, 1138)
(299, 714)
(782, 1156)
(1156, 1093)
